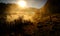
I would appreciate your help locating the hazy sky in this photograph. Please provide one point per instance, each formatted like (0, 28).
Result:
(30, 3)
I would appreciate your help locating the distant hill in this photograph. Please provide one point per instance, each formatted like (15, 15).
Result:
(3, 7)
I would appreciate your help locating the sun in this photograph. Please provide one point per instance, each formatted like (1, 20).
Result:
(22, 3)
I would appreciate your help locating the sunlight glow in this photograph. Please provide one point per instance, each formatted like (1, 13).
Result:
(22, 3)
